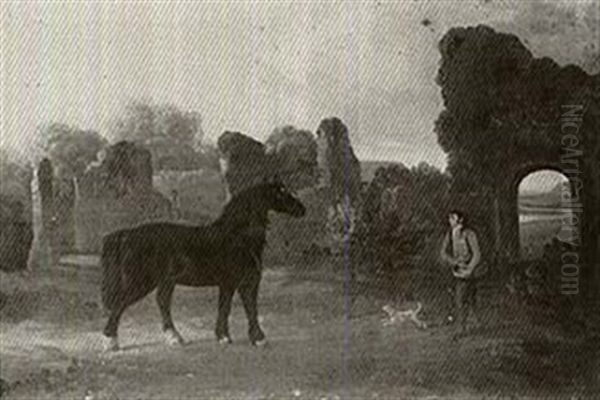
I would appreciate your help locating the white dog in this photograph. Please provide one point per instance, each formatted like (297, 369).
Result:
(398, 316)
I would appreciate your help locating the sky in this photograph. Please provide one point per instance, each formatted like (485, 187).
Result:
(251, 67)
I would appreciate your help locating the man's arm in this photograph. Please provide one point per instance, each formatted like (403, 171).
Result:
(444, 252)
(476, 256)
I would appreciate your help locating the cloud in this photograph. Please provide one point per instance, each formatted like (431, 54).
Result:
(567, 31)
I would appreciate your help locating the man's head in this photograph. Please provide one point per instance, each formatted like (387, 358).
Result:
(456, 218)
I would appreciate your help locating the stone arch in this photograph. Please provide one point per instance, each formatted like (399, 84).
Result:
(507, 192)
(563, 234)
(507, 115)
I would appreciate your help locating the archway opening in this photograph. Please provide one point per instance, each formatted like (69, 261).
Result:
(544, 212)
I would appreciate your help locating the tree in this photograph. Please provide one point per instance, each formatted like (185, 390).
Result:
(15, 176)
(295, 156)
(70, 149)
(174, 137)
(401, 210)
(16, 230)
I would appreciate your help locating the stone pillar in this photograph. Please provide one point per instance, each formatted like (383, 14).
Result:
(117, 194)
(64, 204)
(511, 251)
(48, 250)
(244, 162)
(341, 176)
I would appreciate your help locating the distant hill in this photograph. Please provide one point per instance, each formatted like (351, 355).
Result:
(548, 202)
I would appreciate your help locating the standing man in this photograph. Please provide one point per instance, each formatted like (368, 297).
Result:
(460, 250)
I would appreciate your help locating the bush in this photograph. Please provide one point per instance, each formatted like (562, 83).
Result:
(401, 218)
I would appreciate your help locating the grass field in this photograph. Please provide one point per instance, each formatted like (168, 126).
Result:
(326, 341)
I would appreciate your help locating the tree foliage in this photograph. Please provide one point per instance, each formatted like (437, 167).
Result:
(174, 137)
(15, 183)
(70, 149)
(144, 123)
(402, 207)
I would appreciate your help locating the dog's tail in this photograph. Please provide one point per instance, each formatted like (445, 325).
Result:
(419, 308)
(415, 317)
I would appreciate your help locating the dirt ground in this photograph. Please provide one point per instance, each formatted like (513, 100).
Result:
(323, 344)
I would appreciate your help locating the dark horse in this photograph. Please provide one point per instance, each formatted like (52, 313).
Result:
(226, 253)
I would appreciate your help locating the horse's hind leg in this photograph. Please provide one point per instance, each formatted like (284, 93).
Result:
(112, 327)
(164, 297)
(248, 291)
(222, 330)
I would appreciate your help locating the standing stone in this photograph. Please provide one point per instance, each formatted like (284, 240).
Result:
(340, 172)
(64, 214)
(243, 161)
(117, 193)
(48, 250)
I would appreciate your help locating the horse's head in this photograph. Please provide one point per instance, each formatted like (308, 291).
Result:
(280, 199)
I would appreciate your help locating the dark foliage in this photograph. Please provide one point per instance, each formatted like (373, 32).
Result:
(402, 210)
(16, 230)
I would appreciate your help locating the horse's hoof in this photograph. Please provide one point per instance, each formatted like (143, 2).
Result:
(225, 340)
(173, 338)
(110, 344)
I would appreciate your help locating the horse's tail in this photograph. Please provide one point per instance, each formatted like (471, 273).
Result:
(111, 260)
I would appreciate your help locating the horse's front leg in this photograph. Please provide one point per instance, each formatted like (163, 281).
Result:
(225, 298)
(164, 298)
(248, 291)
